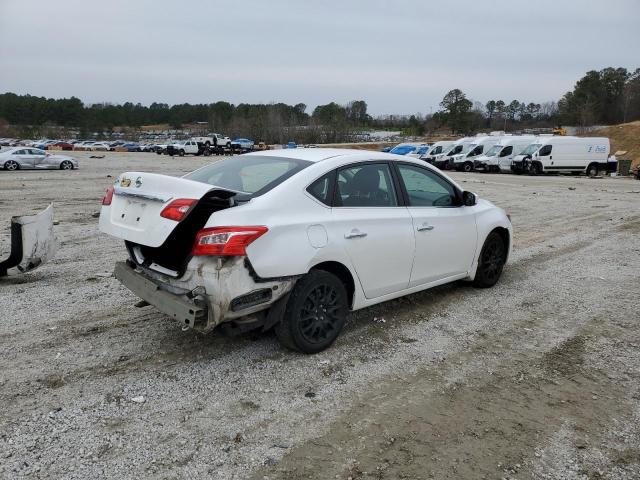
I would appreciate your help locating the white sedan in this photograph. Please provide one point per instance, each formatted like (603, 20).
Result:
(34, 158)
(294, 239)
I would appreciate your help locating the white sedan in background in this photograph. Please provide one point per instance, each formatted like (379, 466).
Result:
(294, 239)
(35, 159)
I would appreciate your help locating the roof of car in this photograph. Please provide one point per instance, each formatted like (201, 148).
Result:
(318, 154)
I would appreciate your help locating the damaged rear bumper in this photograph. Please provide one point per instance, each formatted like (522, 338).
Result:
(212, 291)
(176, 306)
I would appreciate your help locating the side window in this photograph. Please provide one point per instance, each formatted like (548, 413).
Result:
(427, 189)
(322, 189)
(368, 185)
(506, 151)
(437, 150)
(544, 151)
(20, 152)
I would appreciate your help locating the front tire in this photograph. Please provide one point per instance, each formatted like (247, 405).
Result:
(11, 165)
(593, 170)
(491, 262)
(535, 168)
(181, 153)
(66, 165)
(467, 167)
(315, 313)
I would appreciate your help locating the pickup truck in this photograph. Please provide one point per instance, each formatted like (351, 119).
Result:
(188, 147)
(214, 139)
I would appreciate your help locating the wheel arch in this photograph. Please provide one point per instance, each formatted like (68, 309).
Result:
(343, 273)
(506, 233)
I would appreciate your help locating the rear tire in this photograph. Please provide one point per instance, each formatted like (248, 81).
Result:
(315, 313)
(181, 153)
(491, 262)
(592, 170)
(11, 165)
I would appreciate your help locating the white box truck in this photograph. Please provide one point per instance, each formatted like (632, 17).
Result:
(499, 157)
(563, 154)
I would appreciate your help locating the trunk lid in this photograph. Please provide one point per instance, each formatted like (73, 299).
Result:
(138, 200)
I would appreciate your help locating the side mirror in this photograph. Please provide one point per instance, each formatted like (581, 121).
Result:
(469, 199)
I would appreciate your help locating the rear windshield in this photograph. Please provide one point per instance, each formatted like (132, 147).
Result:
(252, 175)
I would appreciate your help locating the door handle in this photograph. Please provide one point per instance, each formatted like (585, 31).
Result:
(550, 157)
(355, 233)
(422, 228)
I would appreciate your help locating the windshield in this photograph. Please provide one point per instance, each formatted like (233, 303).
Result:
(251, 175)
(493, 151)
(476, 151)
(468, 147)
(453, 150)
(530, 149)
(402, 149)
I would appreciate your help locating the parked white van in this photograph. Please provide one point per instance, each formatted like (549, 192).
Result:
(437, 148)
(564, 154)
(499, 157)
(465, 159)
(441, 160)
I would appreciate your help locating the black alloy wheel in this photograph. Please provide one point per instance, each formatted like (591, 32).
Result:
(315, 313)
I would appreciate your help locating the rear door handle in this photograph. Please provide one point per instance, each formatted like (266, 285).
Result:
(424, 227)
(355, 233)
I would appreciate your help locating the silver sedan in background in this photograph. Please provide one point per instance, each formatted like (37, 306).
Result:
(35, 159)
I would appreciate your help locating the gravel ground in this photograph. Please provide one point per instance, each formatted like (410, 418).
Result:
(538, 377)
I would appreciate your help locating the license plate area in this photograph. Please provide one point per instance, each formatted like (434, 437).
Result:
(132, 214)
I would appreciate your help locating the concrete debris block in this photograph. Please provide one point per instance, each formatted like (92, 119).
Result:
(138, 399)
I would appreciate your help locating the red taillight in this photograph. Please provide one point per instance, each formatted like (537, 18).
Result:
(108, 197)
(226, 240)
(178, 209)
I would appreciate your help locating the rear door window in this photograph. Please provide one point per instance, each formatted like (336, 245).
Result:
(368, 185)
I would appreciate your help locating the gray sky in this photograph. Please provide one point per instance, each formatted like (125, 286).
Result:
(400, 56)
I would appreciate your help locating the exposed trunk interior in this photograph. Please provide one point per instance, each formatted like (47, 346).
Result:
(174, 254)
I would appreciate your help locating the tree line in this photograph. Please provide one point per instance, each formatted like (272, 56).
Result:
(604, 97)
(611, 95)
